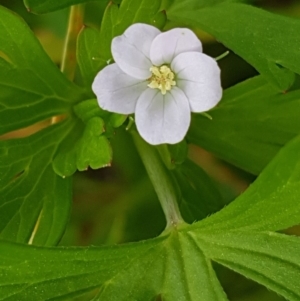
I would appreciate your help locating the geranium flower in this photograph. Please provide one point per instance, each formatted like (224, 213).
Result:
(162, 78)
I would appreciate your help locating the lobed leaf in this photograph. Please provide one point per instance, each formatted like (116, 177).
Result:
(249, 126)
(267, 41)
(269, 258)
(271, 202)
(35, 202)
(86, 146)
(32, 87)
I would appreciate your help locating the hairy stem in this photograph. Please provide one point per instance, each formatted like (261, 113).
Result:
(68, 65)
(162, 181)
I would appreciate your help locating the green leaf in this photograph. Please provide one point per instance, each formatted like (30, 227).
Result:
(35, 202)
(46, 6)
(89, 54)
(265, 40)
(139, 11)
(177, 266)
(200, 196)
(170, 266)
(173, 265)
(268, 258)
(86, 146)
(93, 47)
(32, 88)
(270, 203)
(250, 124)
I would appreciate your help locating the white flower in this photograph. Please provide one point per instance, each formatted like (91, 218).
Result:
(162, 78)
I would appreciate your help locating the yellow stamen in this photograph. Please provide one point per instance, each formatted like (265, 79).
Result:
(162, 78)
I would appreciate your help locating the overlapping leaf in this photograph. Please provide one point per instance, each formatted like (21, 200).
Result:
(268, 258)
(32, 88)
(271, 203)
(250, 125)
(34, 201)
(267, 41)
(170, 266)
(177, 265)
(94, 47)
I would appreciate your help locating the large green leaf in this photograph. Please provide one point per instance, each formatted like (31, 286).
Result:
(173, 267)
(250, 124)
(178, 264)
(268, 258)
(271, 202)
(35, 202)
(265, 40)
(31, 86)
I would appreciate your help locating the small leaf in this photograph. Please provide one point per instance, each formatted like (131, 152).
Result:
(94, 149)
(170, 266)
(89, 56)
(267, 41)
(84, 147)
(88, 109)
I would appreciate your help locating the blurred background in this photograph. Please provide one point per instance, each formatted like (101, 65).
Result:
(117, 204)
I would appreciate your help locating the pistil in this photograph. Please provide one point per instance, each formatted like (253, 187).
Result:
(162, 78)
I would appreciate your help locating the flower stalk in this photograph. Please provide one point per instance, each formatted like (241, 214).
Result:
(68, 65)
(164, 185)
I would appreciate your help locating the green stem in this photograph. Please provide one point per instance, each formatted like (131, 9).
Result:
(162, 181)
(68, 65)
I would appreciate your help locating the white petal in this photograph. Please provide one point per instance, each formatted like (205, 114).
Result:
(167, 45)
(131, 51)
(198, 76)
(116, 91)
(162, 118)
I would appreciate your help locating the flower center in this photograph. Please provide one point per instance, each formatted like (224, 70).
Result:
(162, 78)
